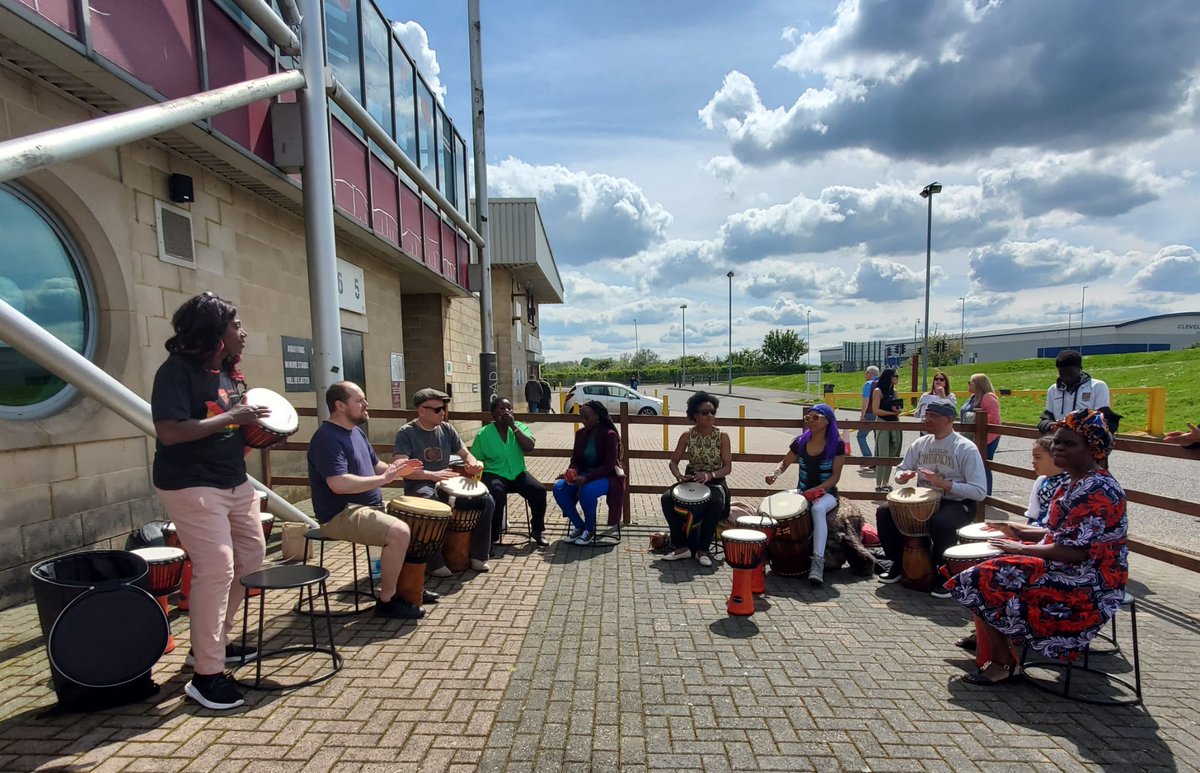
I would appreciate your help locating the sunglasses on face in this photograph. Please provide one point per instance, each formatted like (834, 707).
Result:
(938, 378)
(438, 409)
(813, 417)
(708, 413)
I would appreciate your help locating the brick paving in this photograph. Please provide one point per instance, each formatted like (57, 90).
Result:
(608, 658)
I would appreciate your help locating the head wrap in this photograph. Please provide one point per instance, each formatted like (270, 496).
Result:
(1091, 426)
(832, 434)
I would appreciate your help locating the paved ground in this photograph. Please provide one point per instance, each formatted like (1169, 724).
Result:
(608, 658)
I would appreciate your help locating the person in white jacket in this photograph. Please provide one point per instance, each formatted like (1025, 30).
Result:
(1073, 390)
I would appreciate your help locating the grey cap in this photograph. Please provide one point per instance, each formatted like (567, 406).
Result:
(429, 393)
(941, 408)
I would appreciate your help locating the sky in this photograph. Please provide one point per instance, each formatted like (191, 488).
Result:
(671, 142)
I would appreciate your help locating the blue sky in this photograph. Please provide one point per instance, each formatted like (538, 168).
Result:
(670, 142)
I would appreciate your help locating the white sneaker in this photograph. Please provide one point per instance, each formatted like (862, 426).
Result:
(441, 571)
(703, 559)
(573, 534)
(480, 566)
(585, 538)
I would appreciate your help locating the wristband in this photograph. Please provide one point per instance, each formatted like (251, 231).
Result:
(778, 472)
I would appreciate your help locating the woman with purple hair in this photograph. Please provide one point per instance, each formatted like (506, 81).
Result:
(818, 453)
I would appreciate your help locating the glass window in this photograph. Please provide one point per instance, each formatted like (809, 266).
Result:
(341, 38)
(376, 41)
(448, 187)
(426, 147)
(230, 7)
(41, 276)
(405, 102)
(460, 175)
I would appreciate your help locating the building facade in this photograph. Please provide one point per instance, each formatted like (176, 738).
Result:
(1162, 332)
(101, 250)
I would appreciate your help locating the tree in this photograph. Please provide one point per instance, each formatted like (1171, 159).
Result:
(747, 359)
(783, 347)
(944, 350)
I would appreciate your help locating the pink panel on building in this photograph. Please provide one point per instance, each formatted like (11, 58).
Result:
(60, 13)
(410, 223)
(464, 259)
(233, 58)
(433, 238)
(385, 204)
(154, 41)
(350, 173)
(449, 253)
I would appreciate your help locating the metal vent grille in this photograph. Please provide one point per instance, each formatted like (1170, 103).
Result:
(175, 243)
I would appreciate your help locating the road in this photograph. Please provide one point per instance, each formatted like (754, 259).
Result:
(1168, 477)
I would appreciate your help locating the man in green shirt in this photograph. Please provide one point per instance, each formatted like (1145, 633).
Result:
(501, 447)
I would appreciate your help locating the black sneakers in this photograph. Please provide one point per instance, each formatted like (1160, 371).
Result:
(890, 576)
(214, 691)
(234, 654)
(398, 609)
(940, 591)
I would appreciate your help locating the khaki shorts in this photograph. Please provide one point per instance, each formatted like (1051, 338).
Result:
(362, 524)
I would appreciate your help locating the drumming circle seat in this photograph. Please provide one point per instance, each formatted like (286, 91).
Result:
(289, 577)
(911, 508)
(356, 593)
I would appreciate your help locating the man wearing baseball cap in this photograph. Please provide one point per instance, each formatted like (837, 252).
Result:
(433, 441)
(944, 460)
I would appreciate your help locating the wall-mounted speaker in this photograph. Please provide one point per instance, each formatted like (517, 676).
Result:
(179, 186)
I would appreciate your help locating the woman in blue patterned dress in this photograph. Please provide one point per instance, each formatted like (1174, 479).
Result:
(1057, 594)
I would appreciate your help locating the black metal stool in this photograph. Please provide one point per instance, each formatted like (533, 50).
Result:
(316, 535)
(289, 577)
(1067, 666)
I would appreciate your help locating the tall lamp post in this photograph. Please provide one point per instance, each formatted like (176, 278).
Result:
(927, 194)
(730, 275)
(637, 369)
(962, 330)
(683, 362)
(1082, 303)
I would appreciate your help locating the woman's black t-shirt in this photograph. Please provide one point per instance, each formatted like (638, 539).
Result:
(890, 404)
(181, 392)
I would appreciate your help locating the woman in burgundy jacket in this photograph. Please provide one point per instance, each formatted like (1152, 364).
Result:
(594, 472)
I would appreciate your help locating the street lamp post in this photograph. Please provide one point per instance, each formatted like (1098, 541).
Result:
(683, 361)
(962, 330)
(1082, 303)
(730, 275)
(637, 369)
(927, 194)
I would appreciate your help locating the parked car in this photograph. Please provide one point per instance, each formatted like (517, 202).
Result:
(611, 395)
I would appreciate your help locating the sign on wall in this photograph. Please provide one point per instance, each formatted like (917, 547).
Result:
(352, 287)
(297, 364)
(397, 380)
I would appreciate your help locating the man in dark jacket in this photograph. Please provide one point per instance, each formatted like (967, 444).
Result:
(533, 394)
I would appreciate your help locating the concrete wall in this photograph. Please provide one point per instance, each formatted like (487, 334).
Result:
(80, 478)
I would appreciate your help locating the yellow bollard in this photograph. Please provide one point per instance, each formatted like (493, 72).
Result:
(562, 401)
(666, 412)
(1156, 410)
(575, 425)
(742, 430)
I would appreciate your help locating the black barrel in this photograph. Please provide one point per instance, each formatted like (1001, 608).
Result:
(103, 630)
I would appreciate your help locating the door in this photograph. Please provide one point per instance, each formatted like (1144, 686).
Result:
(354, 367)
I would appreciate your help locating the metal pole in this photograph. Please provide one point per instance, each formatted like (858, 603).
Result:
(730, 275)
(23, 155)
(636, 362)
(30, 339)
(291, 14)
(269, 22)
(962, 331)
(488, 369)
(341, 97)
(928, 261)
(683, 361)
(1082, 304)
(320, 238)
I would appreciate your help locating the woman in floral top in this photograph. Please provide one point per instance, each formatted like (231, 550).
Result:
(1057, 594)
(709, 461)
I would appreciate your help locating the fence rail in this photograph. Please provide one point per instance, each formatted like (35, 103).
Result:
(625, 421)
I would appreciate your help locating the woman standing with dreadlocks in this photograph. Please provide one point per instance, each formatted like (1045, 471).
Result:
(200, 477)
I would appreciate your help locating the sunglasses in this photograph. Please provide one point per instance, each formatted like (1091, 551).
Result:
(938, 378)
(813, 416)
(439, 409)
(708, 413)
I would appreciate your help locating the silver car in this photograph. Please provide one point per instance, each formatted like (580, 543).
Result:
(611, 394)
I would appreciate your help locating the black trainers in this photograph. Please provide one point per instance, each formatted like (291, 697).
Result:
(890, 576)
(235, 654)
(214, 691)
(940, 591)
(397, 609)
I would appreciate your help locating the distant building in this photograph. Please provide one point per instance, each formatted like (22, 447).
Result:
(1160, 333)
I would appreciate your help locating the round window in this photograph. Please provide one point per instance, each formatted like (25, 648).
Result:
(41, 276)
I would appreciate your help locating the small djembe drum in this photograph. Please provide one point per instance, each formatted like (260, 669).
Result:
(166, 572)
(171, 537)
(467, 500)
(911, 508)
(745, 550)
(960, 558)
(767, 526)
(427, 521)
(790, 550)
(978, 532)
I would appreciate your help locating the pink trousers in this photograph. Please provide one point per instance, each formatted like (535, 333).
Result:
(221, 531)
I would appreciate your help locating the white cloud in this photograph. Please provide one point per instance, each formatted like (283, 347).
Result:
(1080, 183)
(1012, 266)
(1175, 269)
(416, 43)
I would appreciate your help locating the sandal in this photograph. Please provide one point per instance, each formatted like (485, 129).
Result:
(968, 643)
(1012, 672)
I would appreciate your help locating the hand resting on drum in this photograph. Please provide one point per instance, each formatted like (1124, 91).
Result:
(904, 476)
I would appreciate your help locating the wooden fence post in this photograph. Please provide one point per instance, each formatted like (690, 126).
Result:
(625, 462)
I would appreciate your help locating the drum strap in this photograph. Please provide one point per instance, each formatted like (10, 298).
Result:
(689, 524)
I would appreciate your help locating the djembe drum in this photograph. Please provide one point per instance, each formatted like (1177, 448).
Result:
(688, 503)
(790, 550)
(171, 537)
(166, 572)
(744, 552)
(978, 532)
(269, 430)
(911, 508)
(427, 521)
(467, 500)
(766, 524)
(960, 558)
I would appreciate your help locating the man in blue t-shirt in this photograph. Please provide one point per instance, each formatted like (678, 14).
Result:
(346, 476)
